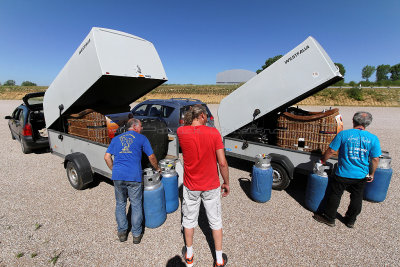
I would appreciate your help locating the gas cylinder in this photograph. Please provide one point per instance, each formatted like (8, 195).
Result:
(169, 179)
(153, 199)
(316, 187)
(261, 182)
(376, 190)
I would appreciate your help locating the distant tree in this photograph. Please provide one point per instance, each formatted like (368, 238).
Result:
(9, 83)
(352, 83)
(382, 72)
(395, 72)
(342, 70)
(269, 62)
(28, 83)
(367, 72)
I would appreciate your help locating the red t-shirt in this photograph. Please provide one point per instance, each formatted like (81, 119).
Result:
(199, 145)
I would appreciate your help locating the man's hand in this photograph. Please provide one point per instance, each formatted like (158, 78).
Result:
(369, 178)
(225, 190)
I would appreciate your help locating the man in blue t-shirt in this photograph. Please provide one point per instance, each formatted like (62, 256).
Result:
(358, 159)
(127, 176)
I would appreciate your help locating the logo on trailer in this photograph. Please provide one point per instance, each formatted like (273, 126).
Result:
(84, 46)
(298, 53)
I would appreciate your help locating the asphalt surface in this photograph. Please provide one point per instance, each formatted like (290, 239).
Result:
(44, 220)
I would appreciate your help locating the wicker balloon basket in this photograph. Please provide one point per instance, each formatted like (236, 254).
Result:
(90, 125)
(308, 131)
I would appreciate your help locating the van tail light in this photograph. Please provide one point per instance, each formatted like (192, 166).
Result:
(212, 118)
(181, 122)
(27, 130)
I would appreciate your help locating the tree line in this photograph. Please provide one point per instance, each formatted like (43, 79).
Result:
(24, 83)
(384, 73)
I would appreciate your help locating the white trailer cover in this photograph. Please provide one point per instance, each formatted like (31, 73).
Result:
(109, 70)
(298, 74)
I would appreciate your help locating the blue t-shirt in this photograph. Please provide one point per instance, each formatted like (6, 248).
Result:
(355, 148)
(127, 150)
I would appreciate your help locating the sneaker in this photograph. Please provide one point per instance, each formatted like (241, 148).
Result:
(137, 239)
(123, 236)
(188, 261)
(348, 223)
(224, 261)
(323, 219)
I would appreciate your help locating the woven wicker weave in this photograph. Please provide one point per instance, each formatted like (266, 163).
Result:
(90, 125)
(312, 132)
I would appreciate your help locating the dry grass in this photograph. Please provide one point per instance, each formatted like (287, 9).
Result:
(213, 94)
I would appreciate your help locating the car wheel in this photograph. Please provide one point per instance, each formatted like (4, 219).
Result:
(74, 176)
(24, 148)
(12, 135)
(281, 178)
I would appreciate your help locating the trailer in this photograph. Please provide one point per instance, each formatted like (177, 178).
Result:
(248, 116)
(107, 72)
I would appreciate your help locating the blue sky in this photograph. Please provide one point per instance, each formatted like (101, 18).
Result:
(198, 39)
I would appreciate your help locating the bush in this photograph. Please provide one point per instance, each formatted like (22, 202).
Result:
(352, 83)
(28, 83)
(9, 83)
(355, 93)
(366, 83)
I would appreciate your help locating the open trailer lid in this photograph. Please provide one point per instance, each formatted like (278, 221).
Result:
(300, 73)
(109, 70)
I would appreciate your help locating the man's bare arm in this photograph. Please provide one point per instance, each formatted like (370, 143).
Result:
(109, 160)
(374, 164)
(153, 162)
(224, 170)
(328, 154)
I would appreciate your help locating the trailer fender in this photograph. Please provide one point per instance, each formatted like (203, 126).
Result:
(285, 162)
(78, 169)
(283, 171)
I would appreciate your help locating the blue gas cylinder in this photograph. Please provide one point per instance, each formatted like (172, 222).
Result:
(316, 187)
(261, 182)
(153, 199)
(170, 182)
(376, 190)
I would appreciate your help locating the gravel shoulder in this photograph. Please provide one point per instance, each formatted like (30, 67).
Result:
(42, 214)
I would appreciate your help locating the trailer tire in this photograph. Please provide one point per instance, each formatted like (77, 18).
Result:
(78, 170)
(157, 132)
(281, 179)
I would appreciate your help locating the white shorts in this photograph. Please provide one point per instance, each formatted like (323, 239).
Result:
(191, 207)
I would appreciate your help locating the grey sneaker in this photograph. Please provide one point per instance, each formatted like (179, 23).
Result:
(323, 219)
(137, 239)
(123, 236)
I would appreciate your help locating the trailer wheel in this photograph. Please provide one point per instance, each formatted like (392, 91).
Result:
(281, 178)
(74, 176)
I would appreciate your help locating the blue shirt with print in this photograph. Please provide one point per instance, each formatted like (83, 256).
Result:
(127, 150)
(355, 148)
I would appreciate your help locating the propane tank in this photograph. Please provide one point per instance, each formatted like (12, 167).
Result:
(316, 187)
(376, 190)
(153, 199)
(261, 182)
(170, 182)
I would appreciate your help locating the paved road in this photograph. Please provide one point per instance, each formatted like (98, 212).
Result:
(42, 214)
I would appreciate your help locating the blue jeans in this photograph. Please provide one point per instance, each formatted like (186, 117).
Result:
(133, 190)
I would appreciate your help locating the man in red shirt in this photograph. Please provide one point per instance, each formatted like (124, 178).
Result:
(202, 147)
